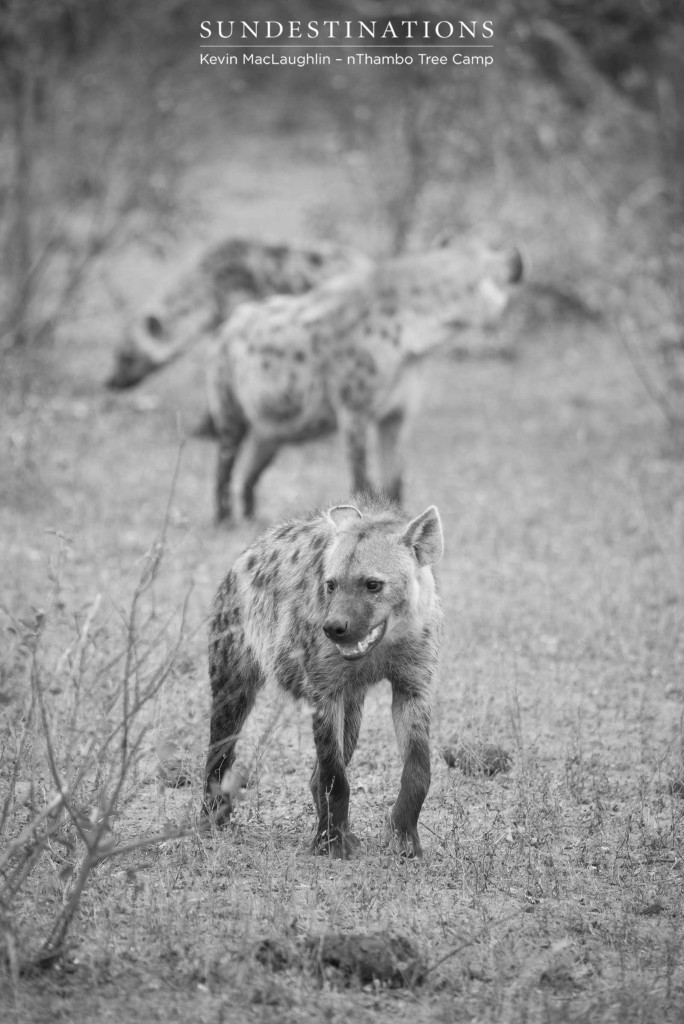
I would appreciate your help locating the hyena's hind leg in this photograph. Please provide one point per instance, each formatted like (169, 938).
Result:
(336, 727)
(230, 708)
(235, 682)
(411, 716)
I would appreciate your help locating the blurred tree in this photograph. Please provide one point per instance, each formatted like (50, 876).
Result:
(67, 121)
(24, 46)
(635, 47)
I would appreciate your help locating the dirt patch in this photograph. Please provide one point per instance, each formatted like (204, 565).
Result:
(377, 956)
(474, 758)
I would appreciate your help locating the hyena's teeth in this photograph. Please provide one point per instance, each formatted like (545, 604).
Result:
(372, 637)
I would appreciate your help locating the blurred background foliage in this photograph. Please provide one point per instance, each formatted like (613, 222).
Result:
(104, 107)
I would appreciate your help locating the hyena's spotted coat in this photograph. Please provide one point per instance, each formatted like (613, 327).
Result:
(347, 354)
(201, 300)
(327, 606)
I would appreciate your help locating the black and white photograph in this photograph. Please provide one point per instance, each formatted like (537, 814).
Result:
(342, 511)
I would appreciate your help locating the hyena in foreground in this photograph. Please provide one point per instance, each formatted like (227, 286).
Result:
(326, 607)
(348, 354)
(201, 300)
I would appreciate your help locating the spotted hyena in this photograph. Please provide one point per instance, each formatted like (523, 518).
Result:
(348, 355)
(326, 606)
(200, 301)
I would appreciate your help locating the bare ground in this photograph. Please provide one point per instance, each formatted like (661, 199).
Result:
(552, 892)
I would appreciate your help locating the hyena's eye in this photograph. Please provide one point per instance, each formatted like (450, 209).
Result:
(374, 586)
(330, 586)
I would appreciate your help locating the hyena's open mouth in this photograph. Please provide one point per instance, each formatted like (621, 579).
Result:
(358, 650)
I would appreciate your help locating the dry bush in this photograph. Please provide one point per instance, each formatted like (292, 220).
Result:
(76, 731)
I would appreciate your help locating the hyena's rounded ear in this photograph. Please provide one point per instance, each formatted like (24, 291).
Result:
(424, 536)
(343, 515)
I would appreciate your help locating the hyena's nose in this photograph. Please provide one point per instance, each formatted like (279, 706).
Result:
(336, 629)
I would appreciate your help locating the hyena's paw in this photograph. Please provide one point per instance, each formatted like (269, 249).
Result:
(402, 840)
(218, 801)
(216, 811)
(336, 843)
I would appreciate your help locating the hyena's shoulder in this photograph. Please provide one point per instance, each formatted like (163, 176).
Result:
(271, 601)
(277, 576)
(287, 555)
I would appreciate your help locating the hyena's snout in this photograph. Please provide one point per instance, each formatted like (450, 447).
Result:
(129, 370)
(336, 628)
(353, 635)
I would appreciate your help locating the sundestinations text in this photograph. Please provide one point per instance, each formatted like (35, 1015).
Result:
(404, 29)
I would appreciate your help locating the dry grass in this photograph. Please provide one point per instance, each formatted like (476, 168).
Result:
(552, 892)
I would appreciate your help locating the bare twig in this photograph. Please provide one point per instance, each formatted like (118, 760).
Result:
(18, 761)
(470, 942)
(17, 844)
(657, 393)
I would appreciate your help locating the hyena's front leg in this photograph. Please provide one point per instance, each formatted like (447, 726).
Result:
(329, 785)
(258, 453)
(391, 431)
(353, 713)
(231, 434)
(411, 716)
(354, 429)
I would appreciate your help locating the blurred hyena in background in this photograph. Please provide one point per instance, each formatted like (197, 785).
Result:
(349, 355)
(198, 302)
(326, 607)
